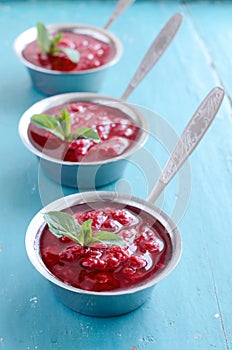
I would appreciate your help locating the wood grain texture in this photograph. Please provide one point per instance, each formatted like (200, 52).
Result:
(192, 308)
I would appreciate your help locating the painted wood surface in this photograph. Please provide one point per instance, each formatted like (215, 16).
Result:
(192, 308)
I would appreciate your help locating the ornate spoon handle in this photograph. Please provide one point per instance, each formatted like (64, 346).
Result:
(156, 50)
(191, 136)
(120, 7)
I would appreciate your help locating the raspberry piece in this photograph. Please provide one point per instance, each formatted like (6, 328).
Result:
(113, 147)
(98, 217)
(81, 146)
(112, 262)
(128, 235)
(119, 253)
(45, 139)
(93, 253)
(124, 129)
(66, 43)
(123, 217)
(61, 62)
(108, 149)
(77, 150)
(71, 155)
(72, 253)
(86, 281)
(93, 263)
(110, 225)
(102, 277)
(43, 59)
(103, 131)
(136, 262)
(128, 271)
(147, 240)
(79, 107)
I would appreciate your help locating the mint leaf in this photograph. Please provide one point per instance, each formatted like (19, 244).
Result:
(86, 231)
(49, 123)
(65, 122)
(60, 126)
(63, 224)
(44, 39)
(108, 238)
(49, 45)
(73, 55)
(55, 41)
(86, 133)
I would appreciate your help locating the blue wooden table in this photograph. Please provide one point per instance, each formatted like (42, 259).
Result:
(192, 308)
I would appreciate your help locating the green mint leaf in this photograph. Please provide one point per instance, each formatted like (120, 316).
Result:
(62, 224)
(49, 45)
(73, 55)
(65, 122)
(108, 238)
(53, 50)
(56, 40)
(61, 127)
(85, 133)
(49, 123)
(86, 231)
(44, 39)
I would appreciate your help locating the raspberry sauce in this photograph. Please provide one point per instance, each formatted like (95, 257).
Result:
(93, 53)
(116, 130)
(102, 267)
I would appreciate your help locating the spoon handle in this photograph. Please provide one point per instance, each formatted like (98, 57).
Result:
(156, 50)
(120, 7)
(191, 136)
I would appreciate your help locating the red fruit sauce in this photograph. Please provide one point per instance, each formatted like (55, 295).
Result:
(93, 53)
(102, 267)
(117, 132)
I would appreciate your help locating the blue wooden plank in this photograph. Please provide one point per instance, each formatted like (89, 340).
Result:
(216, 44)
(191, 309)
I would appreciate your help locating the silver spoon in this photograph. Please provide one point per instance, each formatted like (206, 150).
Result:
(155, 51)
(191, 136)
(120, 7)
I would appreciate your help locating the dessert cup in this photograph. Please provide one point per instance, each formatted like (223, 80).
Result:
(109, 303)
(84, 175)
(52, 82)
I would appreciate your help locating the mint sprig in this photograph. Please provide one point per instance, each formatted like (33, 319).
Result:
(62, 224)
(49, 45)
(60, 126)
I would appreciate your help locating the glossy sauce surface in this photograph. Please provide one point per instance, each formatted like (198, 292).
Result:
(117, 132)
(93, 53)
(102, 267)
